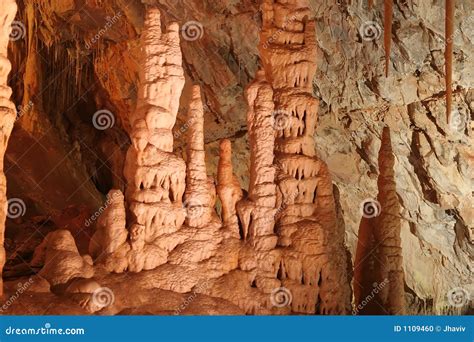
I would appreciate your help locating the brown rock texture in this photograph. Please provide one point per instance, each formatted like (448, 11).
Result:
(155, 176)
(325, 63)
(378, 267)
(228, 188)
(7, 115)
(61, 259)
(200, 192)
(314, 264)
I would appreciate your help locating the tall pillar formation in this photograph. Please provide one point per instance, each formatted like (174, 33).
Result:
(257, 211)
(228, 189)
(199, 198)
(8, 10)
(378, 270)
(314, 265)
(155, 176)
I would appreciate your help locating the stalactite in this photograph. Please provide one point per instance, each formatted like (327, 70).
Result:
(371, 4)
(448, 56)
(7, 114)
(387, 33)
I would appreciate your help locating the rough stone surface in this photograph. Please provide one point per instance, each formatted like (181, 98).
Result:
(433, 158)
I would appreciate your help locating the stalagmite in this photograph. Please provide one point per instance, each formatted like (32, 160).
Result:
(199, 199)
(378, 262)
(388, 255)
(7, 114)
(387, 32)
(448, 56)
(256, 213)
(61, 259)
(155, 176)
(228, 188)
(109, 245)
(313, 265)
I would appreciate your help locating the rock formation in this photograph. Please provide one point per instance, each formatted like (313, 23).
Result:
(109, 245)
(60, 259)
(379, 254)
(7, 115)
(387, 32)
(448, 56)
(228, 188)
(287, 250)
(257, 211)
(200, 192)
(313, 265)
(155, 176)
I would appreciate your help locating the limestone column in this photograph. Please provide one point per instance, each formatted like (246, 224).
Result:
(314, 263)
(378, 272)
(257, 211)
(228, 188)
(8, 10)
(388, 261)
(155, 176)
(199, 202)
